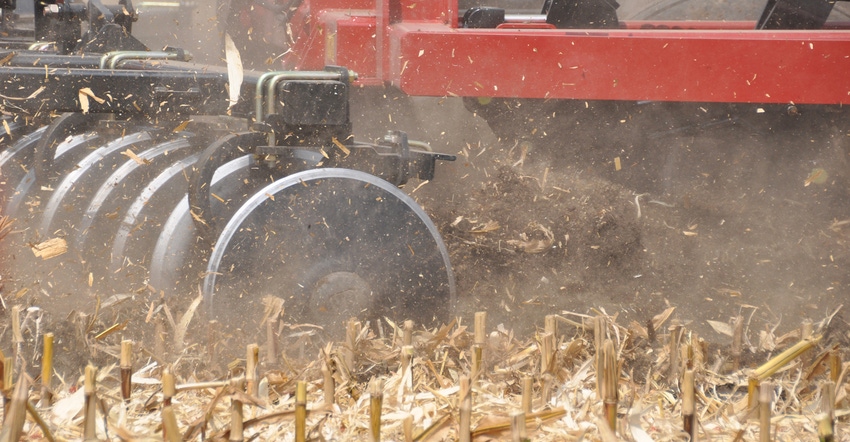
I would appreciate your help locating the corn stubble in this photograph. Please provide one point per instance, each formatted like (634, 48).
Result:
(596, 380)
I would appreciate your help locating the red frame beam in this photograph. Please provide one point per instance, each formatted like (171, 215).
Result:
(417, 46)
(658, 65)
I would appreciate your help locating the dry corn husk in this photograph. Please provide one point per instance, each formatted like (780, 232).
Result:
(423, 400)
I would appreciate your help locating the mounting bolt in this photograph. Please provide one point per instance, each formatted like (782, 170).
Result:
(392, 137)
(792, 110)
(51, 9)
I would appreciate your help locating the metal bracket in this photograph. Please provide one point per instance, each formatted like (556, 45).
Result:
(795, 14)
(110, 28)
(114, 60)
(265, 97)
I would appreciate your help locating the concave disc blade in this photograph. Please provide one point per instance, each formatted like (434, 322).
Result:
(18, 175)
(177, 248)
(334, 244)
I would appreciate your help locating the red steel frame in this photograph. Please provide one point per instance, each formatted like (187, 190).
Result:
(417, 46)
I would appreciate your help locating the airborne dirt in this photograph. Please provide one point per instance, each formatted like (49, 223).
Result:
(726, 213)
(717, 212)
(711, 210)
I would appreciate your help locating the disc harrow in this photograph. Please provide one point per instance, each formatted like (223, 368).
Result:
(143, 176)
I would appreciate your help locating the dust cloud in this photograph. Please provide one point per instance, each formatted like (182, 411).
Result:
(718, 211)
(718, 214)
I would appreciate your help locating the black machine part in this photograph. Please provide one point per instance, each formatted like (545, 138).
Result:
(136, 125)
(563, 14)
(570, 14)
(109, 26)
(795, 14)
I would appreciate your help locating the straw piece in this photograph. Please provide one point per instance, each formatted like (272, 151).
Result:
(650, 331)
(806, 329)
(407, 428)
(752, 393)
(376, 401)
(480, 327)
(329, 386)
(765, 398)
(527, 392)
(352, 331)
(45, 429)
(673, 347)
(599, 335)
(689, 355)
(835, 365)
(774, 364)
(89, 429)
(6, 379)
(502, 425)
(610, 393)
(271, 341)
(237, 413)
(300, 411)
(252, 361)
(429, 432)
(169, 388)
(688, 404)
(407, 336)
(465, 408)
(825, 428)
(599, 332)
(3, 365)
(737, 342)
(170, 430)
(17, 336)
(126, 354)
(13, 424)
(547, 353)
(550, 325)
(406, 362)
(555, 413)
(46, 369)
(126, 369)
(477, 357)
(518, 431)
(828, 399)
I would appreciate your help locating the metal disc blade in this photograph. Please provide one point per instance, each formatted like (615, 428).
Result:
(334, 244)
(127, 178)
(75, 188)
(177, 245)
(18, 174)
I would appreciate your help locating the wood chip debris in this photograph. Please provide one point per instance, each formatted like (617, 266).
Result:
(50, 249)
(84, 95)
(132, 155)
(5, 226)
(534, 245)
(486, 227)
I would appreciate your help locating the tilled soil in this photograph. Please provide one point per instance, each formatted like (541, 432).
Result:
(737, 214)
